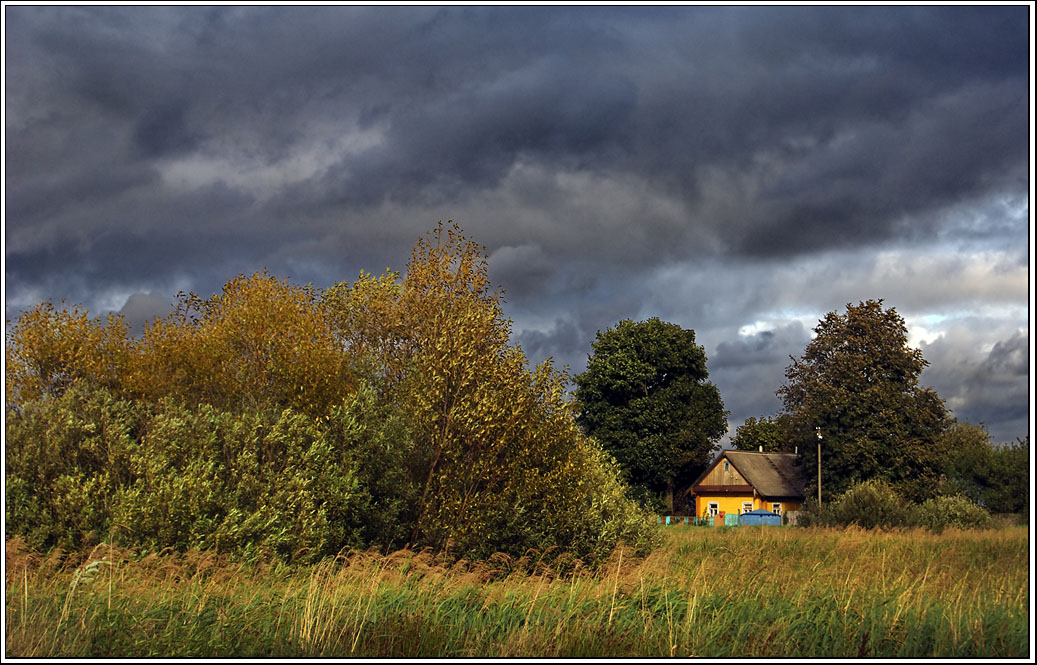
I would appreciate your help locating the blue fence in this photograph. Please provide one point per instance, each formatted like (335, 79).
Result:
(754, 518)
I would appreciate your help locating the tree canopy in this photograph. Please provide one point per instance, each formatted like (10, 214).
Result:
(383, 412)
(767, 434)
(858, 382)
(646, 399)
(993, 476)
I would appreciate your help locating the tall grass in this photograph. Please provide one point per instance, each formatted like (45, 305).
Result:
(746, 592)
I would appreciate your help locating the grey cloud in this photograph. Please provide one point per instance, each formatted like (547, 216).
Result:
(990, 387)
(764, 348)
(463, 94)
(1009, 358)
(749, 369)
(565, 343)
(142, 308)
(164, 129)
(591, 149)
(525, 269)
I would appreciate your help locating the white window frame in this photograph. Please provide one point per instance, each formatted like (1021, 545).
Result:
(713, 508)
(776, 508)
(746, 509)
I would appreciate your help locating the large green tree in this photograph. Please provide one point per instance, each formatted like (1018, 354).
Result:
(858, 383)
(646, 398)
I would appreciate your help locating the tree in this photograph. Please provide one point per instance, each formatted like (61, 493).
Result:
(259, 342)
(858, 383)
(49, 349)
(770, 434)
(498, 462)
(645, 397)
(281, 417)
(993, 476)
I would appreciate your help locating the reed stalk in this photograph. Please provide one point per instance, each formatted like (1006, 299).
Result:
(806, 593)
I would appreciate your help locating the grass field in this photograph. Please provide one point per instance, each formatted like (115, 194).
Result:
(713, 592)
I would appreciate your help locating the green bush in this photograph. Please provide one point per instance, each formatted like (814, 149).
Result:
(876, 503)
(65, 459)
(86, 466)
(869, 504)
(872, 503)
(952, 511)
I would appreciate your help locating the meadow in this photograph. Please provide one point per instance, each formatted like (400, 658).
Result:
(713, 592)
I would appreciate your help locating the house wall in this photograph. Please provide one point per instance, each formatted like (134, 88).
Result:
(729, 503)
(732, 503)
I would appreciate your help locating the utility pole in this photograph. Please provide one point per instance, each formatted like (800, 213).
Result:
(819, 437)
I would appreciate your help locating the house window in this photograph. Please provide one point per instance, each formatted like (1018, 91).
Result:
(776, 508)
(714, 507)
(747, 507)
(727, 466)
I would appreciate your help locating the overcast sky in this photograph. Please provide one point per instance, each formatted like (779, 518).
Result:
(739, 171)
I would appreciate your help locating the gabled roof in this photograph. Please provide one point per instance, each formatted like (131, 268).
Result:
(772, 474)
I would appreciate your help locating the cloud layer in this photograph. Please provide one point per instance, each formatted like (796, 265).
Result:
(738, 170)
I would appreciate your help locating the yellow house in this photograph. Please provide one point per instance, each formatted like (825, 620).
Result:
(740, 481)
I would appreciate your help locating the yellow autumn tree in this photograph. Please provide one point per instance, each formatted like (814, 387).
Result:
(498, 460)
(261, 342)
(49, 348)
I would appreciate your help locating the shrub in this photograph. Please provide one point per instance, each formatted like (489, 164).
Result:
(952, 511)
(65, 458)
(868, 504)
(875, 503)
(80, 464)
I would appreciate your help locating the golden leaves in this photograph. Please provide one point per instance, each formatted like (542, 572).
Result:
(260, 341)
(48, 349)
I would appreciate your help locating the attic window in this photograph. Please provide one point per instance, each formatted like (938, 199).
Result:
(727, 466)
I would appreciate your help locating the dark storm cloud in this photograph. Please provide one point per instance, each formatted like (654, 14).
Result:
(750, 368)
(826, 122)
(150, 149)
(991, 388)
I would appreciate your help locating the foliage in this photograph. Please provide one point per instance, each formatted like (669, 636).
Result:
(858, 382)
(994, 476)
(66, 458)
(876, 503)
(284, 418)
(49, 349)
(645, 397)
(205, 478)
(261, 342)
(499, 461)
(951, 511)
(868, 504)
(769, 433)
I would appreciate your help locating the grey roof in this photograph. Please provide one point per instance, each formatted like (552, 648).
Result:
(772, 474)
